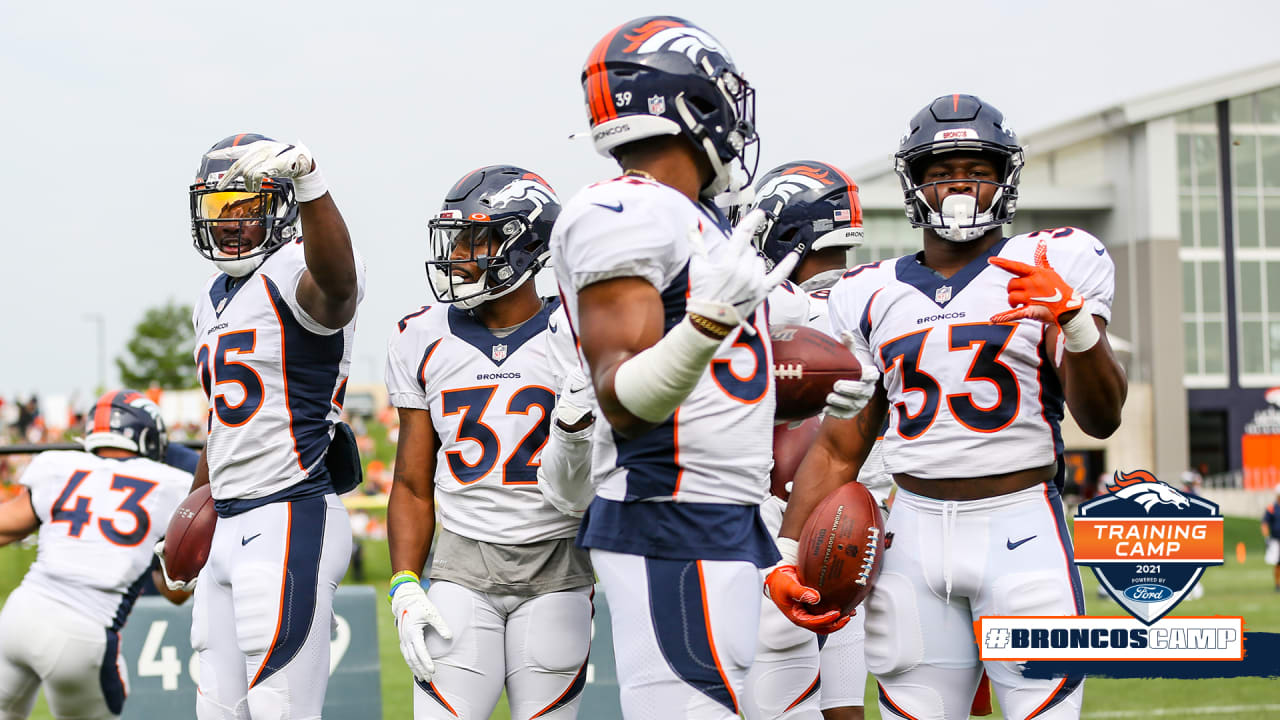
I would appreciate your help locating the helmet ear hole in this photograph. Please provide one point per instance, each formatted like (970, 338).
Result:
(702, 105)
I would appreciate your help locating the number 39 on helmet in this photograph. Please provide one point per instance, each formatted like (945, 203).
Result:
(663, 75)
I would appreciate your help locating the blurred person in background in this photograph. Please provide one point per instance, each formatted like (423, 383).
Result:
(1271, 531)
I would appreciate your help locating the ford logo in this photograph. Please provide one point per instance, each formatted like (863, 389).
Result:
(1148, 593)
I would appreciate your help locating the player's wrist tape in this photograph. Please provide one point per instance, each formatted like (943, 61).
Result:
(1081, 332)
(572, 436)
(400, 578)
(790, 550)
(653, 383)
(310, 186)
(711, 327)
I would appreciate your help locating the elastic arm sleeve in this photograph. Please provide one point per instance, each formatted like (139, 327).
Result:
(653, 383)
(564, 477)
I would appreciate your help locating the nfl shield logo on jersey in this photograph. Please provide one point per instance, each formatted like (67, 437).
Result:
(499, 353)
(657, 105)
(942, 294)
(1147, 542)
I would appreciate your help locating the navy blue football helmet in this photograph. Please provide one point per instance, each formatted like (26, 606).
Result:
(810, 204)
(953, 123)
(498, 217)
(127, 420)
(662, 75)
(220, 218)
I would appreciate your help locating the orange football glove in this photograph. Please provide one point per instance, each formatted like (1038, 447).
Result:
(791, 597)
(1037, 292)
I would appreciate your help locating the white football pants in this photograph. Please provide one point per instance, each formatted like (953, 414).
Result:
(535, 646)
(946, 564)
(75, 658)
(264, 607)
(684, 633)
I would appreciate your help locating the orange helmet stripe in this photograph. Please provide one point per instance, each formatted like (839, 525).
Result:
(855, 203)
(598, 97)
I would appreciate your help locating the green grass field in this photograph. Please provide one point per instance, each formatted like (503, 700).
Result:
(1233, 589)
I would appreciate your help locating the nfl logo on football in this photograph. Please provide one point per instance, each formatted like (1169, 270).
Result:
(499, 352)
(1148, 545)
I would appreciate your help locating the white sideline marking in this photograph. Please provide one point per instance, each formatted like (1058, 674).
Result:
(1203, 710)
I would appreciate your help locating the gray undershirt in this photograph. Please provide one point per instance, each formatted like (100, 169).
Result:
(529, 569)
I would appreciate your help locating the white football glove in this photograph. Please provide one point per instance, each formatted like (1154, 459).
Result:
(577, 399)
(174, 585)
(848, 397)
(268, 158)
(727, 287)
(414, 613)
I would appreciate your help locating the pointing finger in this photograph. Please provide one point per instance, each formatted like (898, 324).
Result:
(1013, 266)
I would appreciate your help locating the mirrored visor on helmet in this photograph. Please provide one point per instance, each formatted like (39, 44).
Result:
(233, 205)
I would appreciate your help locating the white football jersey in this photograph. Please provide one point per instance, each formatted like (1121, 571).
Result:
(872, 473)
(99, 518)
(490, 401)
(633, 227)
(562, 350)
(957, 384)
(275, 379)
(787, 304)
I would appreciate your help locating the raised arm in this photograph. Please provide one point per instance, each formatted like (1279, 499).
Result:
(328, 290)
(1092, 379)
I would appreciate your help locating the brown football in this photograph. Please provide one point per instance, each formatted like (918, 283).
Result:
(190, 533)
(842, 547)
(806, 364)
(791, 440)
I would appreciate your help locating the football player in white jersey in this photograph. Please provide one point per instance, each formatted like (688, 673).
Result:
(812, 208)
(98, 513)
(509, 603)
(966, 379)
(273, 346)
(665, 303)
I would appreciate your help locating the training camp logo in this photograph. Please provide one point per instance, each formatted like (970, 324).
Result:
(1147, 543)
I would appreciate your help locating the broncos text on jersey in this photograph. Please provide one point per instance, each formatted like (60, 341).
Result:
(490, 400)
(956, 382)
(276, 381)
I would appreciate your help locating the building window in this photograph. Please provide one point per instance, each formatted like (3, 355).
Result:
(1204, 321)
(887, 234)
(1255, 174)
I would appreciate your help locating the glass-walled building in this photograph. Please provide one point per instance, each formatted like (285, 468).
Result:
(1184, 189)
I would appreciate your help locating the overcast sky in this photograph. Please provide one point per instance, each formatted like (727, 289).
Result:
(106, 108)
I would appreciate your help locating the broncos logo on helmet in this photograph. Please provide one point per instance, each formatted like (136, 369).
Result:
(497, 219)
(778, 190)
(1143, 488)
(529, 188)
(126, 420)
(659, 35)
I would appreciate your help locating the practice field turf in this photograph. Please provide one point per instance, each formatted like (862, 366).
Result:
(1233, 589)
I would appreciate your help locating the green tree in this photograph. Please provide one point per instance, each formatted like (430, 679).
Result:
(160, 350)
